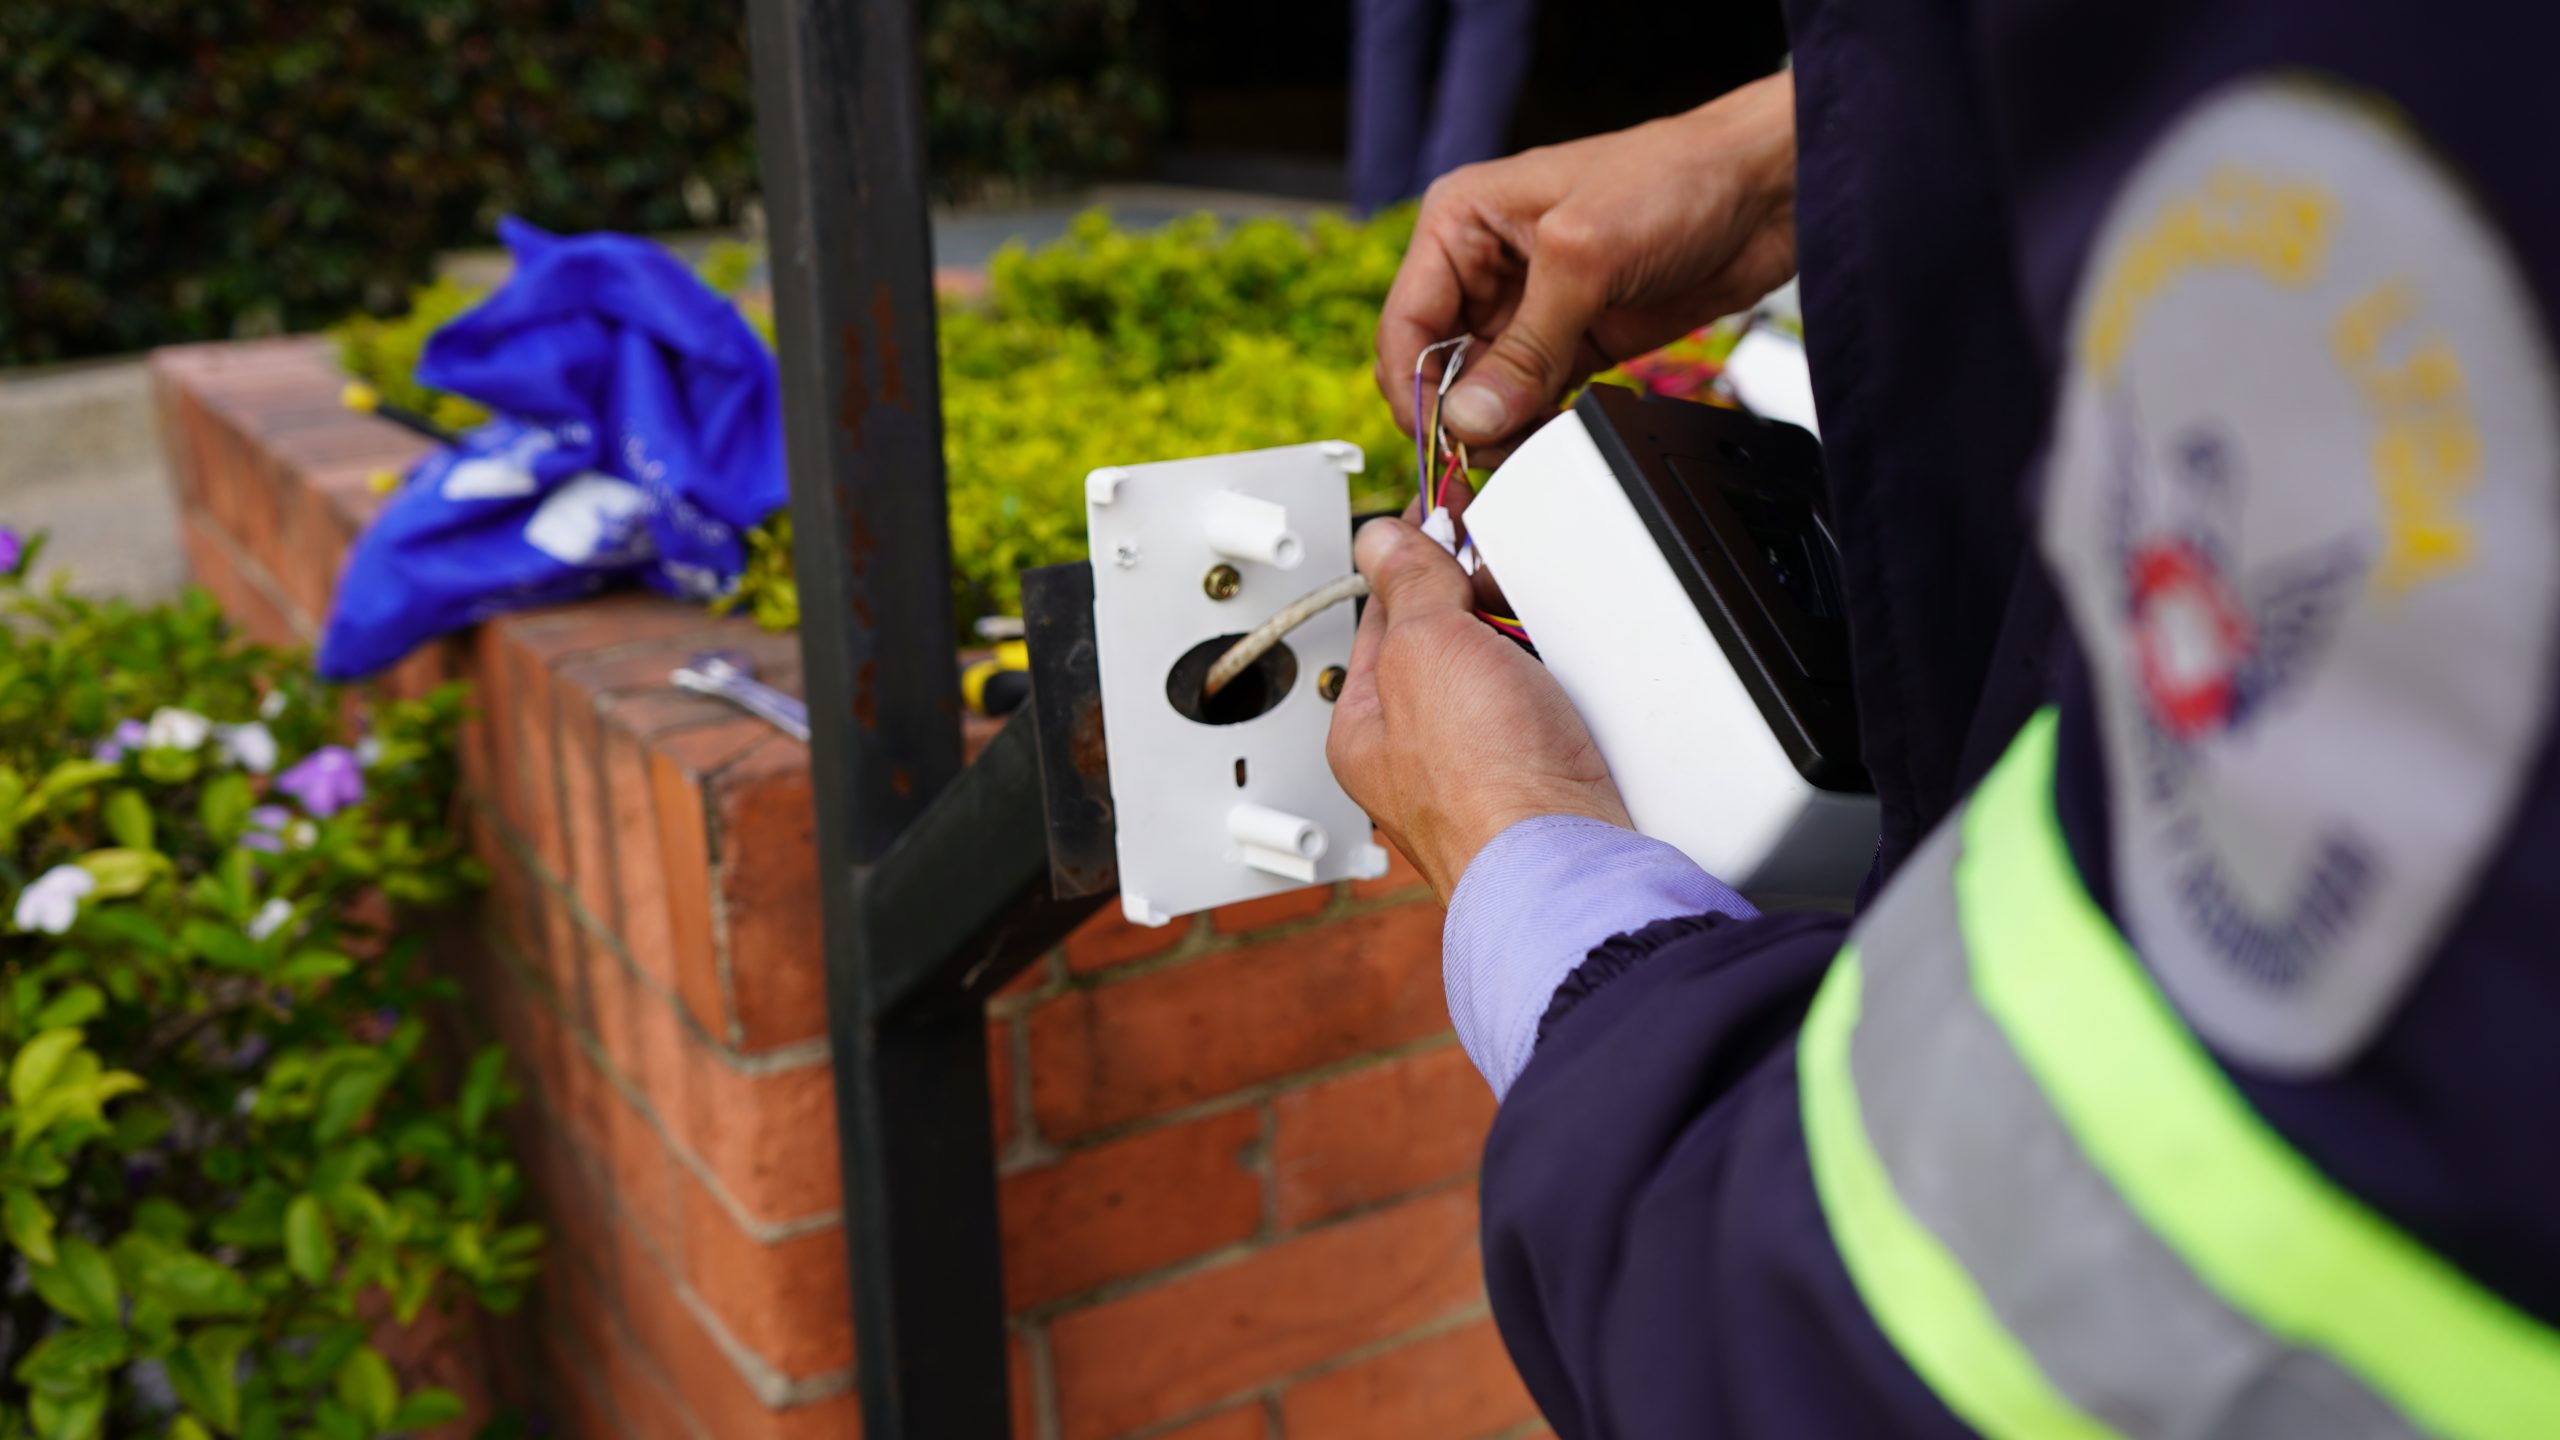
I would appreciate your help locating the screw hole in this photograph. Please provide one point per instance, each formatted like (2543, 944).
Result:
(1239, 772)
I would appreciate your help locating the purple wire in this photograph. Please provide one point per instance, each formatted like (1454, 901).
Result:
(1421, 436)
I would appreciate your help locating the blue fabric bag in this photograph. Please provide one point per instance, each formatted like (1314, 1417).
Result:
(639, 433)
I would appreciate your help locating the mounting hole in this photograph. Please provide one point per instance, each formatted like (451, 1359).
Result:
(1249, 696)
(1239, 772)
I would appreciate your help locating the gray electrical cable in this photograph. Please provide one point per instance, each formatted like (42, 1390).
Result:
(1241, 655)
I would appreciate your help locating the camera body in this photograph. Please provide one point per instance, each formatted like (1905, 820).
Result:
(1673, 563)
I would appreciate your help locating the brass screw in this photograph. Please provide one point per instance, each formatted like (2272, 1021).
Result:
(1329, 683)
(1222, 582)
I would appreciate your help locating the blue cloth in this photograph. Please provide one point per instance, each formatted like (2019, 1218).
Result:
(1537, 901)
(639, 433)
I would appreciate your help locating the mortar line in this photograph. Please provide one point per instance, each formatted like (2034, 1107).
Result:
(760, 1230)
(798, 1055)
(1122, 1286)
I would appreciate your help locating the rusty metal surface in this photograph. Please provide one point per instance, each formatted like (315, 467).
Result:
(1066, 701)
(839, 130)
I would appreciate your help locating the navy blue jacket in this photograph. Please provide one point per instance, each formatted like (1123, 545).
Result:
(1656, 1256)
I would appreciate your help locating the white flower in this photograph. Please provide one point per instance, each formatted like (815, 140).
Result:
(174, 729)
(270, 918)
(53, 901)
(252, 747)
(301, 835)
(368, 752)
(272, 706)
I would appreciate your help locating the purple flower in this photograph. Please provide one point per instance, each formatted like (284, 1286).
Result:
(326, 782)
(266, 829)
(127, 736)
(13, 549)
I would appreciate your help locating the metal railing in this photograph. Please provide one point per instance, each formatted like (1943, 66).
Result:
(936, 879)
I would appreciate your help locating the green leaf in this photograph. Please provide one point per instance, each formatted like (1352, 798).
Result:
(517, 1242)
(341, 1166)
(186, 1427)
(121, 872)
(186, 1283)
(76, 1005)
(76, 1417)
(205, 1372)
(30, 1224)
(431, 1406)
(310, 967)
(224, 946)
(310, 1250)
(68, 1362)
(334, 1421)
(482, 1089)
(366, 1386)
(128, 818)
(410, 1291)
(38, 1062)
(239, 883)
(163, 1219)
(130, 926)
(81, 1285)
(225, 806)
(13, 789)
(171, 767)
(69, 777)
(347, 1096)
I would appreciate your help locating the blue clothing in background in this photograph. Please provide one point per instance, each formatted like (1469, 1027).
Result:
(639, 433)
(1656, 1256)
(1409, 126)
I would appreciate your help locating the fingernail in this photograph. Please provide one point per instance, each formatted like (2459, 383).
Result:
(1476, 410)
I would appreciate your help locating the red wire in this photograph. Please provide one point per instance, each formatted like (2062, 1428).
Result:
(1440, 491)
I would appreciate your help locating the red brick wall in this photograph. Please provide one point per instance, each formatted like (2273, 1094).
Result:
(1237, 1154)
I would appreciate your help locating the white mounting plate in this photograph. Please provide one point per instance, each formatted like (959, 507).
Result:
(1173, 779)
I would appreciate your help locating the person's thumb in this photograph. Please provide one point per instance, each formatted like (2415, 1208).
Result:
(1408, 572)
(1517, 382)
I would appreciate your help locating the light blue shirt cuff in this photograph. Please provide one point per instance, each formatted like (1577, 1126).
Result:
(1535, 903)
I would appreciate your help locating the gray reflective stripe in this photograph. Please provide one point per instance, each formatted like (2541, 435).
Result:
(2113, 1318)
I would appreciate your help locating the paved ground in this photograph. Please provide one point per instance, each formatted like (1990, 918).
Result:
(80, 453)
(116, 531)
(80, 457)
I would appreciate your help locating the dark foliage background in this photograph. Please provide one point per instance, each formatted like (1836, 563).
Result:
(184, 169)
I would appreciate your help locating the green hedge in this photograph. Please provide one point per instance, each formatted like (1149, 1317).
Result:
(234, 1154)
(182, 171)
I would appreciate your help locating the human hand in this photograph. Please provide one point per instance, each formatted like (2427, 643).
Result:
(1446, 733)
(1574, 257)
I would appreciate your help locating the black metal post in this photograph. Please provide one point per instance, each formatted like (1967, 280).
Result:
(840, 130)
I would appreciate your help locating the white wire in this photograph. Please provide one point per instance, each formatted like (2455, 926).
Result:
(1257, 643)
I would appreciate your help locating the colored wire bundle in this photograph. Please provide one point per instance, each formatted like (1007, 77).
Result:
(1431, 442)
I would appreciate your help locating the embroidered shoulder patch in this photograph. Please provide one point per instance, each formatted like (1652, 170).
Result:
(2305, 504)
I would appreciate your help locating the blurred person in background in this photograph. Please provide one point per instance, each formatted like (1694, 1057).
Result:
(1412, 121)
(2192, 437)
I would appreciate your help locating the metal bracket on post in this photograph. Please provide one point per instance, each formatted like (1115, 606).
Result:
(934, 880)
(1066, 699)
